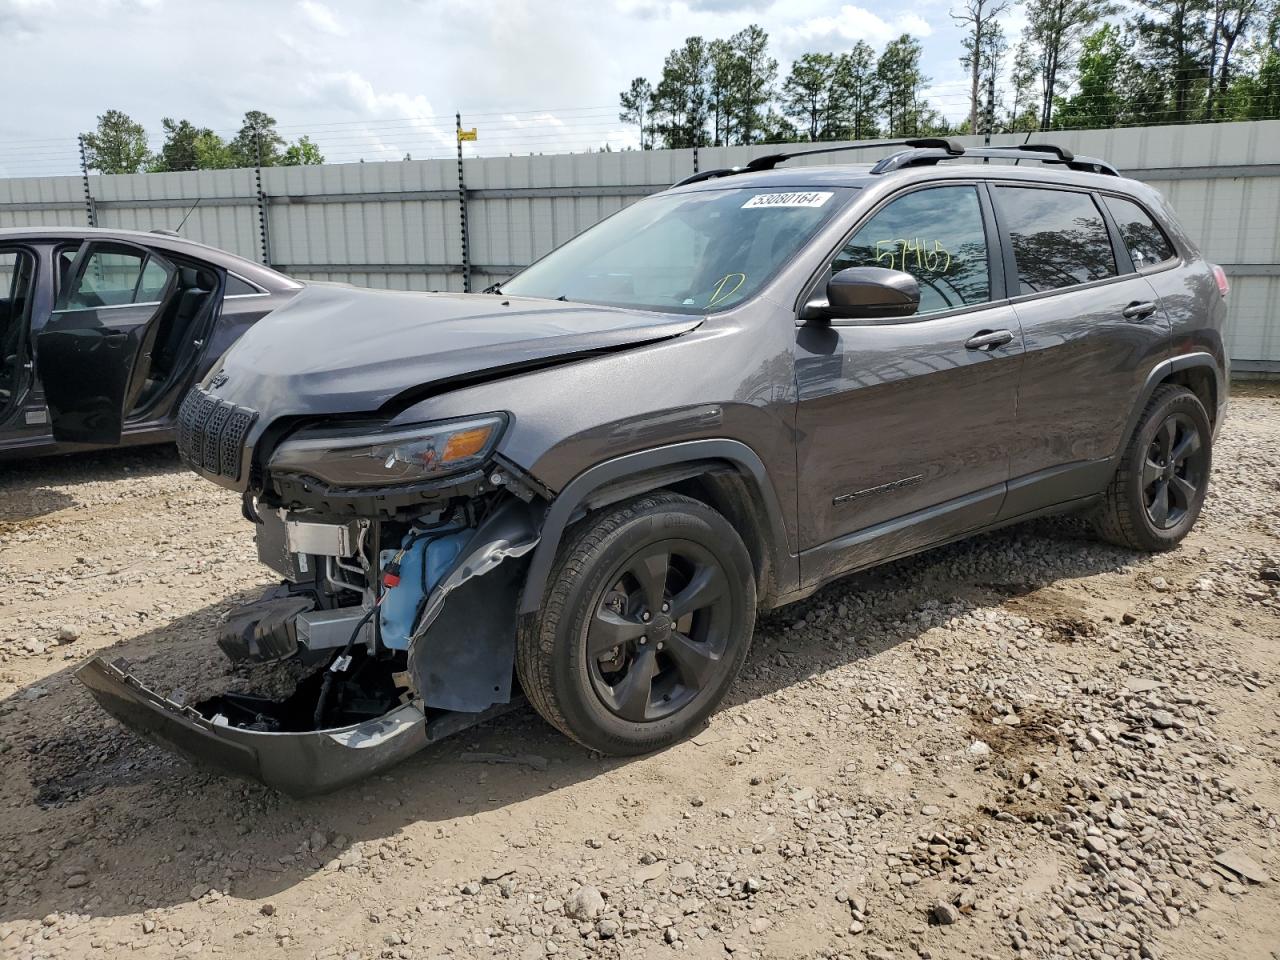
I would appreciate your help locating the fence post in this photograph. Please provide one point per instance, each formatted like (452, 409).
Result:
(462, 211)
(264, 219)
(991, 107)
(90, 211)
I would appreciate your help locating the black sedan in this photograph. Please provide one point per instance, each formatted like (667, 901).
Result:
(103, 331)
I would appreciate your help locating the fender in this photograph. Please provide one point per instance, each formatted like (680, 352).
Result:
(577, 493)
(1162, 371)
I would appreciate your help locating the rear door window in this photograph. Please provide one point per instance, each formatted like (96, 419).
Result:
(937, 236)
(1059, 237)
(115, 278)
(1143, 238)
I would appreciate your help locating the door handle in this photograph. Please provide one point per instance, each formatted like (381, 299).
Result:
(1139, 310)
(989, 339)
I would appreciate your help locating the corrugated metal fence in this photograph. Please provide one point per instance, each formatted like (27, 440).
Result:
(399, 225)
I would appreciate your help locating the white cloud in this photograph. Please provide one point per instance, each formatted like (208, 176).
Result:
(849, 25)
(321, 17)
(383, 79)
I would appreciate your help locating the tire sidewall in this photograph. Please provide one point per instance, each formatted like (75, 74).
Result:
(655, 520)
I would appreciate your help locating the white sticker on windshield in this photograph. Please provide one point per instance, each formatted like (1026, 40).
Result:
(809, 198)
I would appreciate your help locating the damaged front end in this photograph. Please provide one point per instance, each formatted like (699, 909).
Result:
(399, 603)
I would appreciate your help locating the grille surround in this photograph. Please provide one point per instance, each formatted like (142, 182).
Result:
(211, 433)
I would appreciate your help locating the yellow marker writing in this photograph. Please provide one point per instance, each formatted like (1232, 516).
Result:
(720, 293)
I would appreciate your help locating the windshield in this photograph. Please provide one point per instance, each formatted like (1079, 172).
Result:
(683, 252)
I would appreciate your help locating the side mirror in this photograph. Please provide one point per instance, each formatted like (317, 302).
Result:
(867, 293)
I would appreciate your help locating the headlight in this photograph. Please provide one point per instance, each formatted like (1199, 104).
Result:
(409, 455)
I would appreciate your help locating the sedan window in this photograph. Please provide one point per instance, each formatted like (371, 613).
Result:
(112, 278)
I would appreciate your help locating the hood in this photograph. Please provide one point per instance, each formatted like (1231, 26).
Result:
(340, 349)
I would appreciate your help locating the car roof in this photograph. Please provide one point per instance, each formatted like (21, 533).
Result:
(257, 272)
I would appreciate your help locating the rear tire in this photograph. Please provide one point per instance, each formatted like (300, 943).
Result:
(647, 619)
(1159, 486)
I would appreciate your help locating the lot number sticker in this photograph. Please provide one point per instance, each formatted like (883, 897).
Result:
(807, 199)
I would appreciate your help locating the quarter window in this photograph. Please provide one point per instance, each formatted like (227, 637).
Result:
(1059, 237)
(1144, 240)
(240, 288)
(937, 236)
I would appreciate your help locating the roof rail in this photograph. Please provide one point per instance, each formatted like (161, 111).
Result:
(945, 146)
(1042, 152)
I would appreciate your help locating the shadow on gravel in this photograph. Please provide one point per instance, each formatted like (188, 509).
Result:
(37, 487)
(144, 828)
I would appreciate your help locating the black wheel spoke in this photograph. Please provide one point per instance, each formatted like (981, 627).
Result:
(1159, 508)
(1189, 444)
(705, 587)
(650, 572)
(1164, 439)
(695, 661)
(657, 638)
(633, 692)
(1151, 472)
(1183, 492)
(608, 630)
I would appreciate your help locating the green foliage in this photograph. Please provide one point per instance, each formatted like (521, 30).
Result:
(303, 153)
(637, 108)
(188, 147)
(118, 145)
(807, 93)
(257, 143)
(900, 81)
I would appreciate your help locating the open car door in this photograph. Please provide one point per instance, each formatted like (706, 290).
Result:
(94, 353)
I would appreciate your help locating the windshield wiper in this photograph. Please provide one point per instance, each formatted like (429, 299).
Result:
(493, 288)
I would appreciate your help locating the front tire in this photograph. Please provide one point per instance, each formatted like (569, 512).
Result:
(1159, 486)
(647, 619)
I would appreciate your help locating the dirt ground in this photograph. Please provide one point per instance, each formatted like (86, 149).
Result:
(1029, 744)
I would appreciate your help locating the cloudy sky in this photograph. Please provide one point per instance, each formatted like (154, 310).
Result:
(382, 78)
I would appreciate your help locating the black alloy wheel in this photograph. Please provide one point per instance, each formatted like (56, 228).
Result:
(659, 631)
(645, 622)
(1174, 472)
(1162, 474)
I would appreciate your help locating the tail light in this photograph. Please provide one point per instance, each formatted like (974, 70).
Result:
(1224, 287)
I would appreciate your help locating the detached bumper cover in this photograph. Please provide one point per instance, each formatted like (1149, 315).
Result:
(299, 764)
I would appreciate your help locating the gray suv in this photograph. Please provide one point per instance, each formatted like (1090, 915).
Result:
(580, 486)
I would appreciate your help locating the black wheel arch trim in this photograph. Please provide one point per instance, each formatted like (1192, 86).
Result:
(603, 484)
(1161, 372)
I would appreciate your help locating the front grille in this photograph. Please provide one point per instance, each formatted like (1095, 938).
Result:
(211, 433)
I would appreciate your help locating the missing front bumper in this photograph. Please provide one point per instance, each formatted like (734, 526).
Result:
(300, 764)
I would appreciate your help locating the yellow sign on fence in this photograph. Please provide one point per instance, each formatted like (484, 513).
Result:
(467, 134)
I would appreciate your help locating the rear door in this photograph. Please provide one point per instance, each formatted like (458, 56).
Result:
(93, 354)
(1093, 329)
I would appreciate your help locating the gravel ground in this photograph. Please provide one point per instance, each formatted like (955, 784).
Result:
(1026, 745)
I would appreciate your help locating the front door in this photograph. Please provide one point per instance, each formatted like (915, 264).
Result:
(904, 426)
(93, 354)
(1093, 330)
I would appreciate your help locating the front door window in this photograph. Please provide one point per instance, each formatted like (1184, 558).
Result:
(937, 236)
